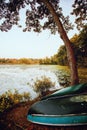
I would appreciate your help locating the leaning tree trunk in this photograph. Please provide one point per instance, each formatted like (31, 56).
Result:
(63, 35)
(73, 68)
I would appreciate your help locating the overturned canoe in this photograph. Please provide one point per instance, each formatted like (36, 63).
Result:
(63, 111)
(76, 89)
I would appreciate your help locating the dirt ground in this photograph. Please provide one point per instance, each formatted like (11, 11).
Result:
(16, 119)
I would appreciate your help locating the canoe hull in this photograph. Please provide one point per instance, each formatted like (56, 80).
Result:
(69, 91)
(66, 120)
(66, 107)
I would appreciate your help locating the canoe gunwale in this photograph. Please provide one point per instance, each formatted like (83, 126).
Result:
(68, 91)
(64, 122)
(80, 114)
(49, 124)
(65, 96)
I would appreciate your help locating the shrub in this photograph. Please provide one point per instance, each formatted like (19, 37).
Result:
(5, 103)
(42, 85)
(8, 99)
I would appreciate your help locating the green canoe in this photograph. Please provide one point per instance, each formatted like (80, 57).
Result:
(76, 89)
(61, 110)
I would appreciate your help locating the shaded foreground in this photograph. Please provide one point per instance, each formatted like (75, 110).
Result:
(41, 127)
(15, 119)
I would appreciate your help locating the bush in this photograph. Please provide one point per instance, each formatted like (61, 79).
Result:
(42, 85)
(9, 99)
(5, 103)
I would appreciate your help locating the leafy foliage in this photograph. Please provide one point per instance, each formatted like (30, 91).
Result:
(79, 43)
(8, 99)
(80, 46)
(80, 11)
(43, 85)
(38, 16)
(62, 55)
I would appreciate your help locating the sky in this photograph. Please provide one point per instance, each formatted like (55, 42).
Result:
(18, 44)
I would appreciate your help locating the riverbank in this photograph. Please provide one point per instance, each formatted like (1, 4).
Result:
(15, 119)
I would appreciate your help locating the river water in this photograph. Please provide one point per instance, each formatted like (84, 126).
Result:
(22, 77)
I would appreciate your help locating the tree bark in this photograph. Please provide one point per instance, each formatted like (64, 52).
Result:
(63, 35)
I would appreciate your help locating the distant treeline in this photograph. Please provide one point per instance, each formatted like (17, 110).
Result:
(79, 44)
(19, 61)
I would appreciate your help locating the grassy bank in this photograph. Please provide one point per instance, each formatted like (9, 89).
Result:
(64, 74)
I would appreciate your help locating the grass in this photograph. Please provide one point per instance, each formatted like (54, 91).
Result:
(82, 74)
(64, 74)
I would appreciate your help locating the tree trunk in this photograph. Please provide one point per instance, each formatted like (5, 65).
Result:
(63, 35)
